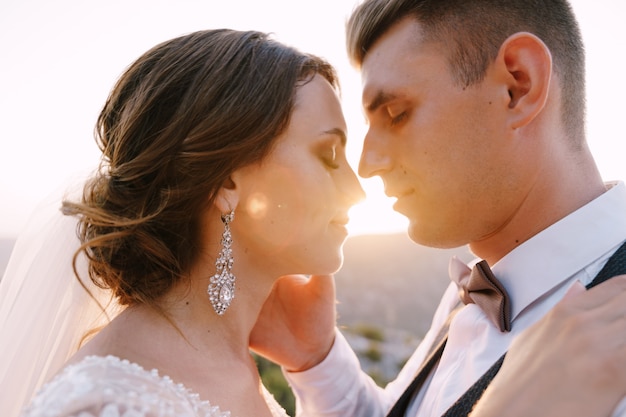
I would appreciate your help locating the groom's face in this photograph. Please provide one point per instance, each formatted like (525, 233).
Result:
(430, 138)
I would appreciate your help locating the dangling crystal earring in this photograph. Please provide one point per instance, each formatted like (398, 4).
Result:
(222, 287)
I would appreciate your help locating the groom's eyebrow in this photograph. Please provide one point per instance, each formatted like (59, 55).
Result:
(380, 99)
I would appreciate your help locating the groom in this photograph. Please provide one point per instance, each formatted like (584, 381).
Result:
(476, 115)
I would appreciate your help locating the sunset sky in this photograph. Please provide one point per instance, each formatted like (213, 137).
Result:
(61, 58)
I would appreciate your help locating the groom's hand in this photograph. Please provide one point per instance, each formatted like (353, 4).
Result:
(296, 326)
(577, 353)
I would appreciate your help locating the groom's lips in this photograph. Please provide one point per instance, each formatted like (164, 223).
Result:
(397, 193)
(400, 197)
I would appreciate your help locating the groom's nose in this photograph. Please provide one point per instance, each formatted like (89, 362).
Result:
(375, 158)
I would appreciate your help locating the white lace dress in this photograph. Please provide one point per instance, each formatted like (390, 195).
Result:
(110, 387)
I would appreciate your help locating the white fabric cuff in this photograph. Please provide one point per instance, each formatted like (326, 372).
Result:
(329, 384)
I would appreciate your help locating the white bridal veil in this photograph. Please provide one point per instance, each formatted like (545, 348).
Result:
(44, 310)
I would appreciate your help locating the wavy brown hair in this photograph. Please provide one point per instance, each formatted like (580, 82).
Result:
(178, 122)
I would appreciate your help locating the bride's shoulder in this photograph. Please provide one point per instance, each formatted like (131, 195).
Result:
(99, 386)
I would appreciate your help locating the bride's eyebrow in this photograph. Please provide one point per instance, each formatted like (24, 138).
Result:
(337, 132)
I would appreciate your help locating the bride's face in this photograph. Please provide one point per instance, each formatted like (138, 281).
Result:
(293, 206)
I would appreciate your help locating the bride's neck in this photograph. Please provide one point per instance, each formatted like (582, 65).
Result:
(184, 319)
(188, 309)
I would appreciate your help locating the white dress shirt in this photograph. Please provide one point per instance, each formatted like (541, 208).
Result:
(536, 275)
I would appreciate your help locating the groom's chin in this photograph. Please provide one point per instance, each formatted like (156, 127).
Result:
(428, 235)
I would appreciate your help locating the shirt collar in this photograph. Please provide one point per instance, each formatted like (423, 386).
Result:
(563, 249)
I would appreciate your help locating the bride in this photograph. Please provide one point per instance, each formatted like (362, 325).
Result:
(223, 169)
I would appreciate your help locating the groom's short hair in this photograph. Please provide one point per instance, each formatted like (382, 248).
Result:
(471, 33)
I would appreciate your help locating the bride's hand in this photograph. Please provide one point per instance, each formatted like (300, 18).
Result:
(296, 327)
(570, 363)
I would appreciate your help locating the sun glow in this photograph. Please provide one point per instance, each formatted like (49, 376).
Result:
(375, 214)
(257, 205)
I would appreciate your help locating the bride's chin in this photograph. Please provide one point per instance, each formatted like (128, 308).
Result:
(332, 265)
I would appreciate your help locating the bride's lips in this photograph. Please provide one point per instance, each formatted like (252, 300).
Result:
(341, 222)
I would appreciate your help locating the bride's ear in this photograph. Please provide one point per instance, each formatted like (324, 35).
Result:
(227, 197)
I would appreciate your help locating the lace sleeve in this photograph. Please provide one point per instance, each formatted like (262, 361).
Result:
(110, 387)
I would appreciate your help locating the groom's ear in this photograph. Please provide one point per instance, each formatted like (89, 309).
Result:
(227, 196)
(524, 64)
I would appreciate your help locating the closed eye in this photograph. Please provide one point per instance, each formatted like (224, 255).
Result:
(332, 147)
(397, 119)
(330, 158)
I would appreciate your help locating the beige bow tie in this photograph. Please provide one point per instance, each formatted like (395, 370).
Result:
(479, 286)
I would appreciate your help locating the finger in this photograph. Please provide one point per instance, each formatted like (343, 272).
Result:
(599, 295)
(611, 312)
(294, 278)
(604, 322)
(575, 289)
(288, 283)
(321, 278)
(614, 334)
(322, 284)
